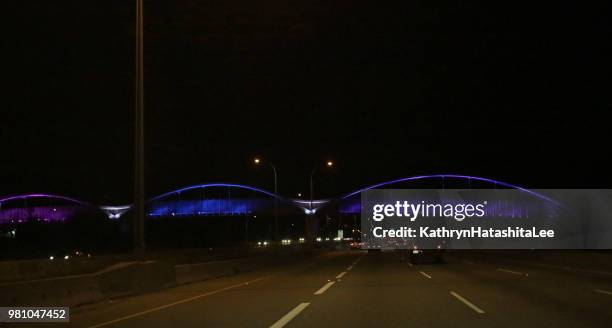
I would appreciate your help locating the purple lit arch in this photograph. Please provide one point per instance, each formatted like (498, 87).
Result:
(45, 213)
(27, 196)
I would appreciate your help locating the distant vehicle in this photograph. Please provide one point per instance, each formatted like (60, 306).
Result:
(418, 255)
(356, 245)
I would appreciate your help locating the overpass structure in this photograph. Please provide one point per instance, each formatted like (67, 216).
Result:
(41, 207)
(224, 199)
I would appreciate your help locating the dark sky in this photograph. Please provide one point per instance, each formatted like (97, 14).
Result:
(516, 92)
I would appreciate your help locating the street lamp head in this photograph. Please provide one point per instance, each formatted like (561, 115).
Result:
(256, 160)
(330, 163)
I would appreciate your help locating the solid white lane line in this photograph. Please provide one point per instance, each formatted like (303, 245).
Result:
(601, 291)
(324, 288)
(341, 275)
(468, 303)
(289, 316)
(513, 272)
(425, 274)
(349, 268)
(193, 298)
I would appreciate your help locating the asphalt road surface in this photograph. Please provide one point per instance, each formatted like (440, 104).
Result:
(358, 289)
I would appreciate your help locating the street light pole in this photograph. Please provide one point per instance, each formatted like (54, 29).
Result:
(312, 186)
(257, 161)
(139, 241)
(310, 233)
(328, 164)
(275, 202)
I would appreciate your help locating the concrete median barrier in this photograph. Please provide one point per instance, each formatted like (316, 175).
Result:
(132, 277)
(116, 281)
(187, 273)
(138, 277)
(63, 291)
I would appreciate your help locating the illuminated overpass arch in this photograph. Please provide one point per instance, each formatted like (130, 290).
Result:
(213, 199)
(350, 203)
(225, 199)
(212, 185)
(40, 207)
(173, 203)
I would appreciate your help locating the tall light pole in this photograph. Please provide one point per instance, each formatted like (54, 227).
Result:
(139, 211)
(327, 164)
(257, 161)
(309, 225)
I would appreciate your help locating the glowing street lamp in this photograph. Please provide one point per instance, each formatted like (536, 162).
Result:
(328, 164)
(258, 161)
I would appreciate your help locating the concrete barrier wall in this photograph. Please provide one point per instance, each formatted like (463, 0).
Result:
(11, 271)
(51, 292)
(40, 269)
(139, 277)
(128, 278)
(187, 273)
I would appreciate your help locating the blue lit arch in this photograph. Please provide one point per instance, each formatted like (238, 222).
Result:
(350, 203)
(160, 206)
(208, 185)
(451, 176)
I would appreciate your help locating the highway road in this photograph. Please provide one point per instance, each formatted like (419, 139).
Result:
(359, 289)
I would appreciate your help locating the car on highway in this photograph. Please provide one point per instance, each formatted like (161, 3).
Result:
(422, 255)
(356, 245)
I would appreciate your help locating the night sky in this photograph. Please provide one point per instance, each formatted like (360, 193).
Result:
(517, 93)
